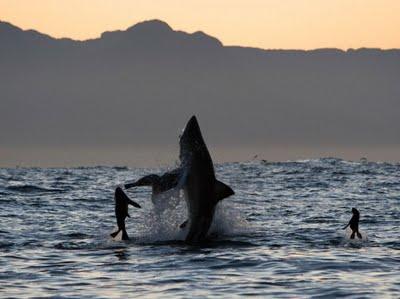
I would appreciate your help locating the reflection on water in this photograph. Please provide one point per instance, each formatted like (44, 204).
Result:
(121, 254)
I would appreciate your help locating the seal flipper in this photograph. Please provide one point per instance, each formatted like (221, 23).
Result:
(122, 195)
(222, 190)
(124, 235)
(114, 234)
(133, 203)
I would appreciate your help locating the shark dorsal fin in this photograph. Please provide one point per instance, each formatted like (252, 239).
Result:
(222, 190)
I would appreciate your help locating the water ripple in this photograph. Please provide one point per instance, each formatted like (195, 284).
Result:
(279, 236)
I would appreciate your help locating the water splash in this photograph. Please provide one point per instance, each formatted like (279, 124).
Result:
(162, 221)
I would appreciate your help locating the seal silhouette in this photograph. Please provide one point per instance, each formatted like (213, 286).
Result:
(121, 211)
(354, 224)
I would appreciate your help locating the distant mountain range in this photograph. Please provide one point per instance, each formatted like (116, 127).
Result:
(139, 85)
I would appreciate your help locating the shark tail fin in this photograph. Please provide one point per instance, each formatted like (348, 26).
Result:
(222, 190)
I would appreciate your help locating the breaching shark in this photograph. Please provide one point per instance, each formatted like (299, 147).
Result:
(196, 176)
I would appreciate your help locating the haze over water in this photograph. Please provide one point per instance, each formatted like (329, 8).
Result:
(110, 99)
(280, 235)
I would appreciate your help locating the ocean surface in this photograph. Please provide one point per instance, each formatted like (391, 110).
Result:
(279, 236)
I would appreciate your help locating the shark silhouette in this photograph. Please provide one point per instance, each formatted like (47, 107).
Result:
(196, 176)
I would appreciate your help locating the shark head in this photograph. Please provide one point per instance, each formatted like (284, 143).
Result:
(191, 139)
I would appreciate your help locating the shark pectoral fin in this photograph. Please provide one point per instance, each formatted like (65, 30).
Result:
(129, 185)
(169, 180)
(133, 203)
(222, 190)
(148, 180)
(184, 224)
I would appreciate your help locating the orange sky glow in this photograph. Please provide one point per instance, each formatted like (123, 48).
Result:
(283, 24)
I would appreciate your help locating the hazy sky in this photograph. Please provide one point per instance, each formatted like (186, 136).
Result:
(304, 24)
(109, 102)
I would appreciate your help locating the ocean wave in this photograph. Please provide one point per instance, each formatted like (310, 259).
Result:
(31, 189)
(283, 226)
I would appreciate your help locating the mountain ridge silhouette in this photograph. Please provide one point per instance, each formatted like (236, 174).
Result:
(137, 86)
(156, 27)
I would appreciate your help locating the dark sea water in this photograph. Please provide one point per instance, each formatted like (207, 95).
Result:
(280, 236)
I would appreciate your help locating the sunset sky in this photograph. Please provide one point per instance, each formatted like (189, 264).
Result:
(286, 24)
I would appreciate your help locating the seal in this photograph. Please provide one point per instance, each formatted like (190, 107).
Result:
(353, 223)
(121, 211)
